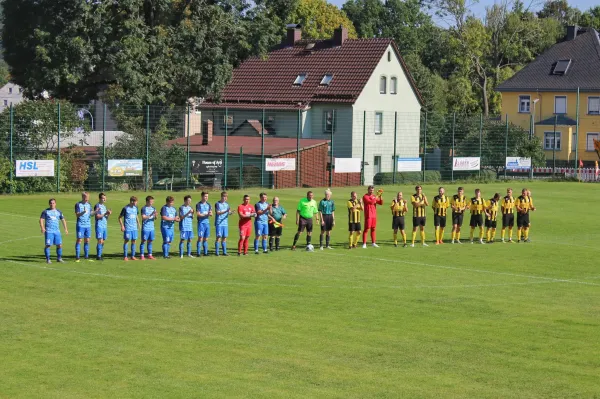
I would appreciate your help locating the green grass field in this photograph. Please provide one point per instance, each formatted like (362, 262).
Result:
(471, 321)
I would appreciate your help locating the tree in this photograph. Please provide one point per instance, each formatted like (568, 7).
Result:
(134, 51)
(319, 19)
(591, 18)
(560, 11)
(4, 74)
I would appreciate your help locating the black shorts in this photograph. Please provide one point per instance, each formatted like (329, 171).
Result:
(457, 218)
(305, 224)
(419, 221)
(439, 221)
(490, 224)
(523, 220)
(508, 220)
(275, 231)
(354, 227)
(398, 223)
(476, 221)
(328, 225)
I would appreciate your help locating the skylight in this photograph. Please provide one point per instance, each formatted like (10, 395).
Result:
(561, 67)
(300, 79)
(326, 80)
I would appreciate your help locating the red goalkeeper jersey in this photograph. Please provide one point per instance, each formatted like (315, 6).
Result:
(245, 212)
(370, 202)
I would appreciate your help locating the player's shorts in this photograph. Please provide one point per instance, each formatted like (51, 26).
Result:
(275, 231)
(523, 220)
(439, 221)
(203, 230)
(328, 223)
(354, 227)
(130, 235)
(222, 231)
(398, 223)
(261, 229)
(246, 230)
(419, 221)
(101, 233)
(186, 235)
(457, 218)
(52, 238)
(148, 235)
(167, 235)
(508, 219)
(305, 224)
(83, 232)
(476, 221)
(490, 224)
(370, 223)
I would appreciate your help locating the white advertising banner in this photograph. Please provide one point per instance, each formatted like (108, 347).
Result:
(409, 165)
(466, 163)
(518, 163)
(347, 165)
(34, 167)
(277, 164)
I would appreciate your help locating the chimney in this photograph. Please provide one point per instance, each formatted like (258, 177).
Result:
(294, 34)
(340, 35)
(207, 132)
(572, 32)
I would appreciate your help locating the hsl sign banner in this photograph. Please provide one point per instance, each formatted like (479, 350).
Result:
(277, 164)
(35, 167)
(466, 163)
(518, 163)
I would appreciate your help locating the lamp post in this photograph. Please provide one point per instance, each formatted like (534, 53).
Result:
(83, 111)
(532, 133)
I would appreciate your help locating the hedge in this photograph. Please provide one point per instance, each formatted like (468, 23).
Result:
(387, 178)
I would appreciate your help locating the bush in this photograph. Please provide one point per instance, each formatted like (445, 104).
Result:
(387, 178)
(487, 176)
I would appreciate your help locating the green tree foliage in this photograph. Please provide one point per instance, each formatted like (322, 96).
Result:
(561, 11)
(591, 18)
(319, 19)
(4, 73)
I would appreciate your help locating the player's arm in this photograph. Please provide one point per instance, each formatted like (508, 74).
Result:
(43, 223)
(284, 213)
(137, 219)
(425, 201)
(121, 216)
(78, 214)
(379, 200)
(414, 202)
(64, 223)
(405, 207)
(297, 216)
(333, 216)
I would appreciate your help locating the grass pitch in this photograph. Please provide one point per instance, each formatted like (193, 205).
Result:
(484, 321)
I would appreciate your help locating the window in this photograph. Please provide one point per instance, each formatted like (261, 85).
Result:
(378, 122)
(5, 103)
(10, 90)
(377, 164)
(300, 79)
(393, 85)
(550, 142)
(560, 105)
(561, 67)
(326, 80)
(594, 105)
(227, 120)
(589, 145)
(329, 118)
(574, 142)
(389, 56)
(524, 104)
(382, 85)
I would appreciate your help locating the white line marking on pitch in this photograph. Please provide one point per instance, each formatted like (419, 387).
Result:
(21, 239)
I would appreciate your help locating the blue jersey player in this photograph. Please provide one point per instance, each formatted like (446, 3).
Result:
(130, 222)
(261, 223)
(203, 212)
(83, 214)
(148, 217)
(168, 217)
(186, 225)
(222, 212)
(50, 226)
(101, 214)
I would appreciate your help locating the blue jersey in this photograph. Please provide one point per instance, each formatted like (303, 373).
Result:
(83, 220)
(129, 214)
(100, 209)
(222, 220)
(187, 220)
(264, 218)
(203, 208)
(170, 212)
(52, 217)
(148, 224)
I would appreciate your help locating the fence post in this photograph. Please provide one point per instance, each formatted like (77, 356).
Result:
(480, 139)
(531, 134)
(298, 148)
(394, 161)
(554, 147)
(187, 152)
(506, 147)
(262, 150)
(362, 170)
(103, 146)
(147, 145)
(226, 150)
(453, 154)
(425, 147)
(12, 161)
(577, 132)
(331, 150)
(241, 167)
(58, 156)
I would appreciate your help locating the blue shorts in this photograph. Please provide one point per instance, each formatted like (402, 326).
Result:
(52, 238)
(101, 233)
(186, 235)
(203, 230)
(222, 231)
(262, 229)
(147, 235)
(167, 235)
(130, 235)
(83, 232)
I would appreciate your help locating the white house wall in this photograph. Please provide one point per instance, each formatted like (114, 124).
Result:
(342, 138)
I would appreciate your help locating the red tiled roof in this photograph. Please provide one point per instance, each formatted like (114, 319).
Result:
(251, 145)
(270, 81)
(256, 125)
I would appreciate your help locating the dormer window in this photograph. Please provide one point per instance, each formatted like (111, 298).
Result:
(561, 67)
(300, 79)
(326, 80)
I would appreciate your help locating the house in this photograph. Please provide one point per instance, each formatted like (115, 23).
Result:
(545, 93)
(339, 90)
(10, 93)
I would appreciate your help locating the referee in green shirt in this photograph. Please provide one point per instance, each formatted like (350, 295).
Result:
(327, 215)
(307, 209)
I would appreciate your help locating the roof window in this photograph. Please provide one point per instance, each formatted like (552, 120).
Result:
(326, 80)
(300, 79)
(561, 67)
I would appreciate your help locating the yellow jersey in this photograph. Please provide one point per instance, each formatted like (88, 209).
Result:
(460, 203)
(507, 205)
(418, 211)
(524, 202)
(398, 207)
(440, 205)
(477, 206)
(492, 210)
(354, 213)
